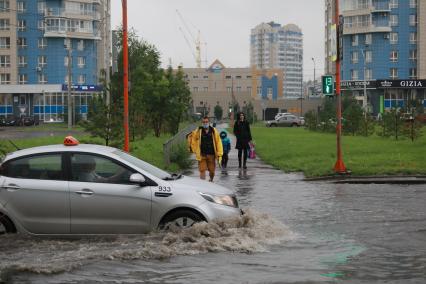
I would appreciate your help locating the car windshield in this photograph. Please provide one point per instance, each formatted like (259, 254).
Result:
(159, 173)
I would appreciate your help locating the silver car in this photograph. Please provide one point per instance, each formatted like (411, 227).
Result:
(92, 189)
(285, 120)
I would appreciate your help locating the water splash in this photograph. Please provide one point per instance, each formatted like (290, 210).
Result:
(253, 232)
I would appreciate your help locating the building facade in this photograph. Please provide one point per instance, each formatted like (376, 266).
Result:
(279, 47)
(383, 50)
(262, 88)
(37, 38)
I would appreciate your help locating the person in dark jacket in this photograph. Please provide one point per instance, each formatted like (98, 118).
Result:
(243, 134)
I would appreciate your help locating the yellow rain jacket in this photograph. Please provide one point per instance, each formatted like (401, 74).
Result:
(195, 138)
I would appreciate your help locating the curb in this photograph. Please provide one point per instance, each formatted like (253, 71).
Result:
(341, 179)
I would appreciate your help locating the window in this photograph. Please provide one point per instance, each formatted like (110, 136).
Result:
(80, 45)
(4, 42)
(41, 6)
(393, 73)
(393, 4)
(41, 25)
(368, 39)
(238, 77)
(249, 89)
(21, 7)
(195, 89)
(413, 37)
(42, 61)
(82, 79)
(238, 89)
(413, 73)
(45, 167)
(195, 77)
(413, 20)
(413, 54)
(66, 79)
(22, 61)
(4, 5)
(91, 168)
(22, 42)
(413, 3)
(4, 79)
(42, 42)
(4, 24)
(393, 56)
(4, 60)
(393, 20)
(354, 57)
(23, 79)
(368, 74)
(22, 25)
(42, 78)
(393, 38)
(354, 40)
(81, 61)
(354, 74)
(229, 89)
(206, 89)
(368, 56)
(228, 77)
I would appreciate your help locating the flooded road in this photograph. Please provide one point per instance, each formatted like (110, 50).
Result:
(293, 232)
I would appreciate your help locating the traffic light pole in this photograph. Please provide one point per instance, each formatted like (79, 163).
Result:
(339, 167)
(125, 78)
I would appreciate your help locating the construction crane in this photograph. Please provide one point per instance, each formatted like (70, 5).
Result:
(196, 40)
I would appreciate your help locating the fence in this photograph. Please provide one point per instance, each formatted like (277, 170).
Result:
(176, 140)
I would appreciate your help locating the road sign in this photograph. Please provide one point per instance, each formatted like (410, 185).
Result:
(327, 85)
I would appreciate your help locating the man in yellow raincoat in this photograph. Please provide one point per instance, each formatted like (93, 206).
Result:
(207, 146)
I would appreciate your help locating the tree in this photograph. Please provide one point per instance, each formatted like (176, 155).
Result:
(391, 124)
(412, 129)
(353, 115)
(218, 112)
(367, 126)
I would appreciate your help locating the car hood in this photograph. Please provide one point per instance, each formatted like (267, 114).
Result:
(196, 184)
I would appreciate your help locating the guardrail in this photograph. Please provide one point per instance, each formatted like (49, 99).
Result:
(176, 140)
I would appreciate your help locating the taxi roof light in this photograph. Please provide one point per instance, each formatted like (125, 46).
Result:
(70, 141)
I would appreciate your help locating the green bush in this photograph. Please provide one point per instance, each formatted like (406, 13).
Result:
(180, 155)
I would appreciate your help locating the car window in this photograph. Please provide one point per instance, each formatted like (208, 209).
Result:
(45, 166)
(93, 168)
(159, 173)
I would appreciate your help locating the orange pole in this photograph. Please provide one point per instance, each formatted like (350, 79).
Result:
(125, 78)
(339, 167)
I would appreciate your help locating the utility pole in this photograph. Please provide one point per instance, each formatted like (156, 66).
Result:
(339, 166)
(314, 92)
(301, 87)
(364, 99)
(125, 78)
(69, 68)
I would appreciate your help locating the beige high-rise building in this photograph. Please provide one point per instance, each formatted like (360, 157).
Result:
(276, 46)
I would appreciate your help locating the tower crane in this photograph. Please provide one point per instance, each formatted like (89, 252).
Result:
(196, 40)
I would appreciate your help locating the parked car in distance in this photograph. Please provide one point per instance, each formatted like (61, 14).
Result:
(79, 189)
(9, 121)
(285, 121)
(280, 114)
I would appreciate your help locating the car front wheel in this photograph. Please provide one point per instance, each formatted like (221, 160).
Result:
(6, 226)
(180, 219)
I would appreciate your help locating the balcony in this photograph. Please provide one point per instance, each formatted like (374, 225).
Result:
(365, 28)
(71, 14)
(64, 32)
(380, 8)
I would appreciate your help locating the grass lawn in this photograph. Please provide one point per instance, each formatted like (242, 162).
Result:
(297, 149)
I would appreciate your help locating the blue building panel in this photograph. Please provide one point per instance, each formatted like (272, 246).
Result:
(268, 83)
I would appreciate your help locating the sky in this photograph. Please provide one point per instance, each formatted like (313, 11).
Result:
(224, 26)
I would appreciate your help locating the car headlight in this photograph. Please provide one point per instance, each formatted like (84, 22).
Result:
(228, 200)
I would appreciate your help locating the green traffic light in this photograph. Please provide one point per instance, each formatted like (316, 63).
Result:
(327, 85)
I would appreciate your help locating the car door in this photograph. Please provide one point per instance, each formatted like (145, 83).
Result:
(282, 121)
(104, 201)
(35, 192)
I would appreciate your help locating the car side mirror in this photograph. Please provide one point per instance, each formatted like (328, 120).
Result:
(137, 178)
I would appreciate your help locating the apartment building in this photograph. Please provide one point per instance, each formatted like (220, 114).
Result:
(37, 38)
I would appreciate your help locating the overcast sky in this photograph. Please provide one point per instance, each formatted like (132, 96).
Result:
(224, 25)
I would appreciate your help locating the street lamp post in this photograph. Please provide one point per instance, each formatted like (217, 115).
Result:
(301, 85)
(364, 99)
(314, 92)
